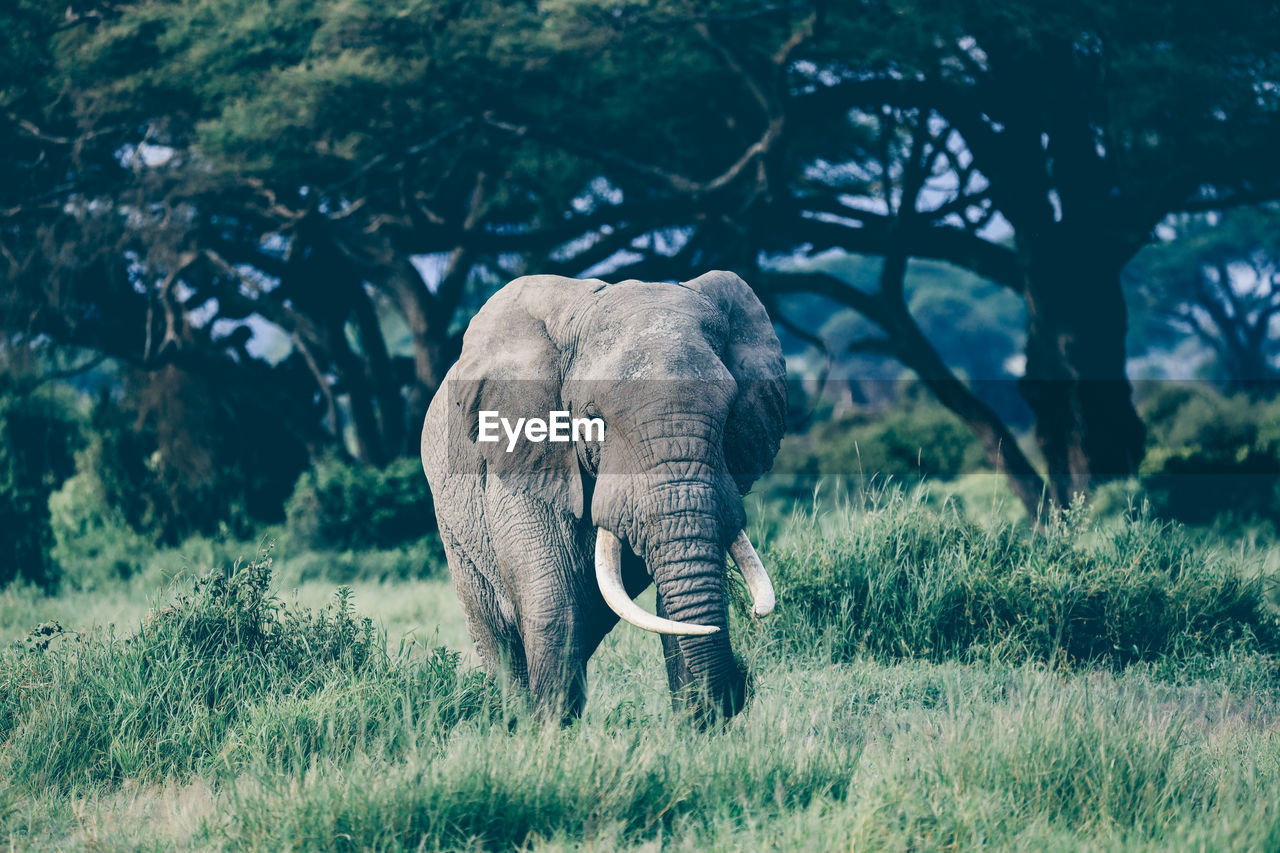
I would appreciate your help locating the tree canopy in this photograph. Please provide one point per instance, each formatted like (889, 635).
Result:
(1214, 280)
(182, 183)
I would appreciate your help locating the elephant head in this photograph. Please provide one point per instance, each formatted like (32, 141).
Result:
(690, 383)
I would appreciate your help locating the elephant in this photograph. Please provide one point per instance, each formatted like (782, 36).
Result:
(548, 542)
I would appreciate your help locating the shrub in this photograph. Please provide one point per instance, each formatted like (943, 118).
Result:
(223, 676)
(201, 457)
(895, 579)
(93, 543)
(1212, 458)
(38, 438)
(904, 443)
(420, 559)
(339, 505)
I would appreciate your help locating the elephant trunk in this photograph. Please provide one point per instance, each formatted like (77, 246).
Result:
(690, 579)
(684, 510)
(614, 592)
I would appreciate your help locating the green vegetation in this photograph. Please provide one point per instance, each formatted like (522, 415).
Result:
(87, 501)
(1213, 458)
(928, 683)
(37, 443)
(240, 240)
(904, 443)
(346, 521)
(282, 214)
(1206, 289)
(222, 675)
(910, 581)
(337, 505)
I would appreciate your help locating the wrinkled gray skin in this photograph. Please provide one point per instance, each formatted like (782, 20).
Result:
(690, 382)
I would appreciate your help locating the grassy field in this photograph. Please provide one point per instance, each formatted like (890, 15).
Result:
(928, 684)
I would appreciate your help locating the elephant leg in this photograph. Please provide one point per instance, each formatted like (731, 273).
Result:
(500, 649)
(563, 630)
(489, 614)
(545, 560)
(557, 657)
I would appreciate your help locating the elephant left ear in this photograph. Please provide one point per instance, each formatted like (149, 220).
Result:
(753, 430)
(510, 368)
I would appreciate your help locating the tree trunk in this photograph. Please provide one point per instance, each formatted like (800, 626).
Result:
(382, 380)
(916, 352)
(997, 440)
(428, 319)
(1075, 382)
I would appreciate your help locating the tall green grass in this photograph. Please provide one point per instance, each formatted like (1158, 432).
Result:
(225, 674)
(929, 683)
(890, 575)
(930, 757)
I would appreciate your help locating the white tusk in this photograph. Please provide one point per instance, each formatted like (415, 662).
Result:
(609, 576)
(758, 583)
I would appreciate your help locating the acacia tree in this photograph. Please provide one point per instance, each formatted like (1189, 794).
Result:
(192, 174)
(290, 164)
(1080, 129)
(1216, 278)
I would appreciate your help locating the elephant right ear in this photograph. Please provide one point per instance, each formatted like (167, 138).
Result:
(510, 368)
(753, 430)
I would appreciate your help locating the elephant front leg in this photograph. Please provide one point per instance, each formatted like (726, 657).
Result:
(557, 660)
(545, 561)
(490, 618)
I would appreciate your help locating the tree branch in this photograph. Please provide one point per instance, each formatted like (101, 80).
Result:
(935, 242)
(673, 180)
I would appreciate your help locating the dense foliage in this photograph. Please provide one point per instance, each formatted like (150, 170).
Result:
(240, 240)
(304, 202)
(906, 443)
(899, 579)
(38, 439)
(1213, 459)
(224, 675)
(1208, 290)
(337, 505)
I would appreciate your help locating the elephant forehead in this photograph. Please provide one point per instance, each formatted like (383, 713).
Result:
(679, 334)
(668, 357)
(664, 330)
(637, 306)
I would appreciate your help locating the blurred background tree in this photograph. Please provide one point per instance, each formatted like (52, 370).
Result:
(1214, 279)
(263, 226)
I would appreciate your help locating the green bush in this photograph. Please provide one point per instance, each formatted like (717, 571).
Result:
(339, 506)
(93, 543)
(174, 458)
(904, 443)
(894, 578)
(224, 676)
(1212, 459)
(38, 438)
(421, 559)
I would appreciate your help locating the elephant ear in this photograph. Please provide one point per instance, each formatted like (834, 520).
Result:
(753, 430)
(510, 365)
